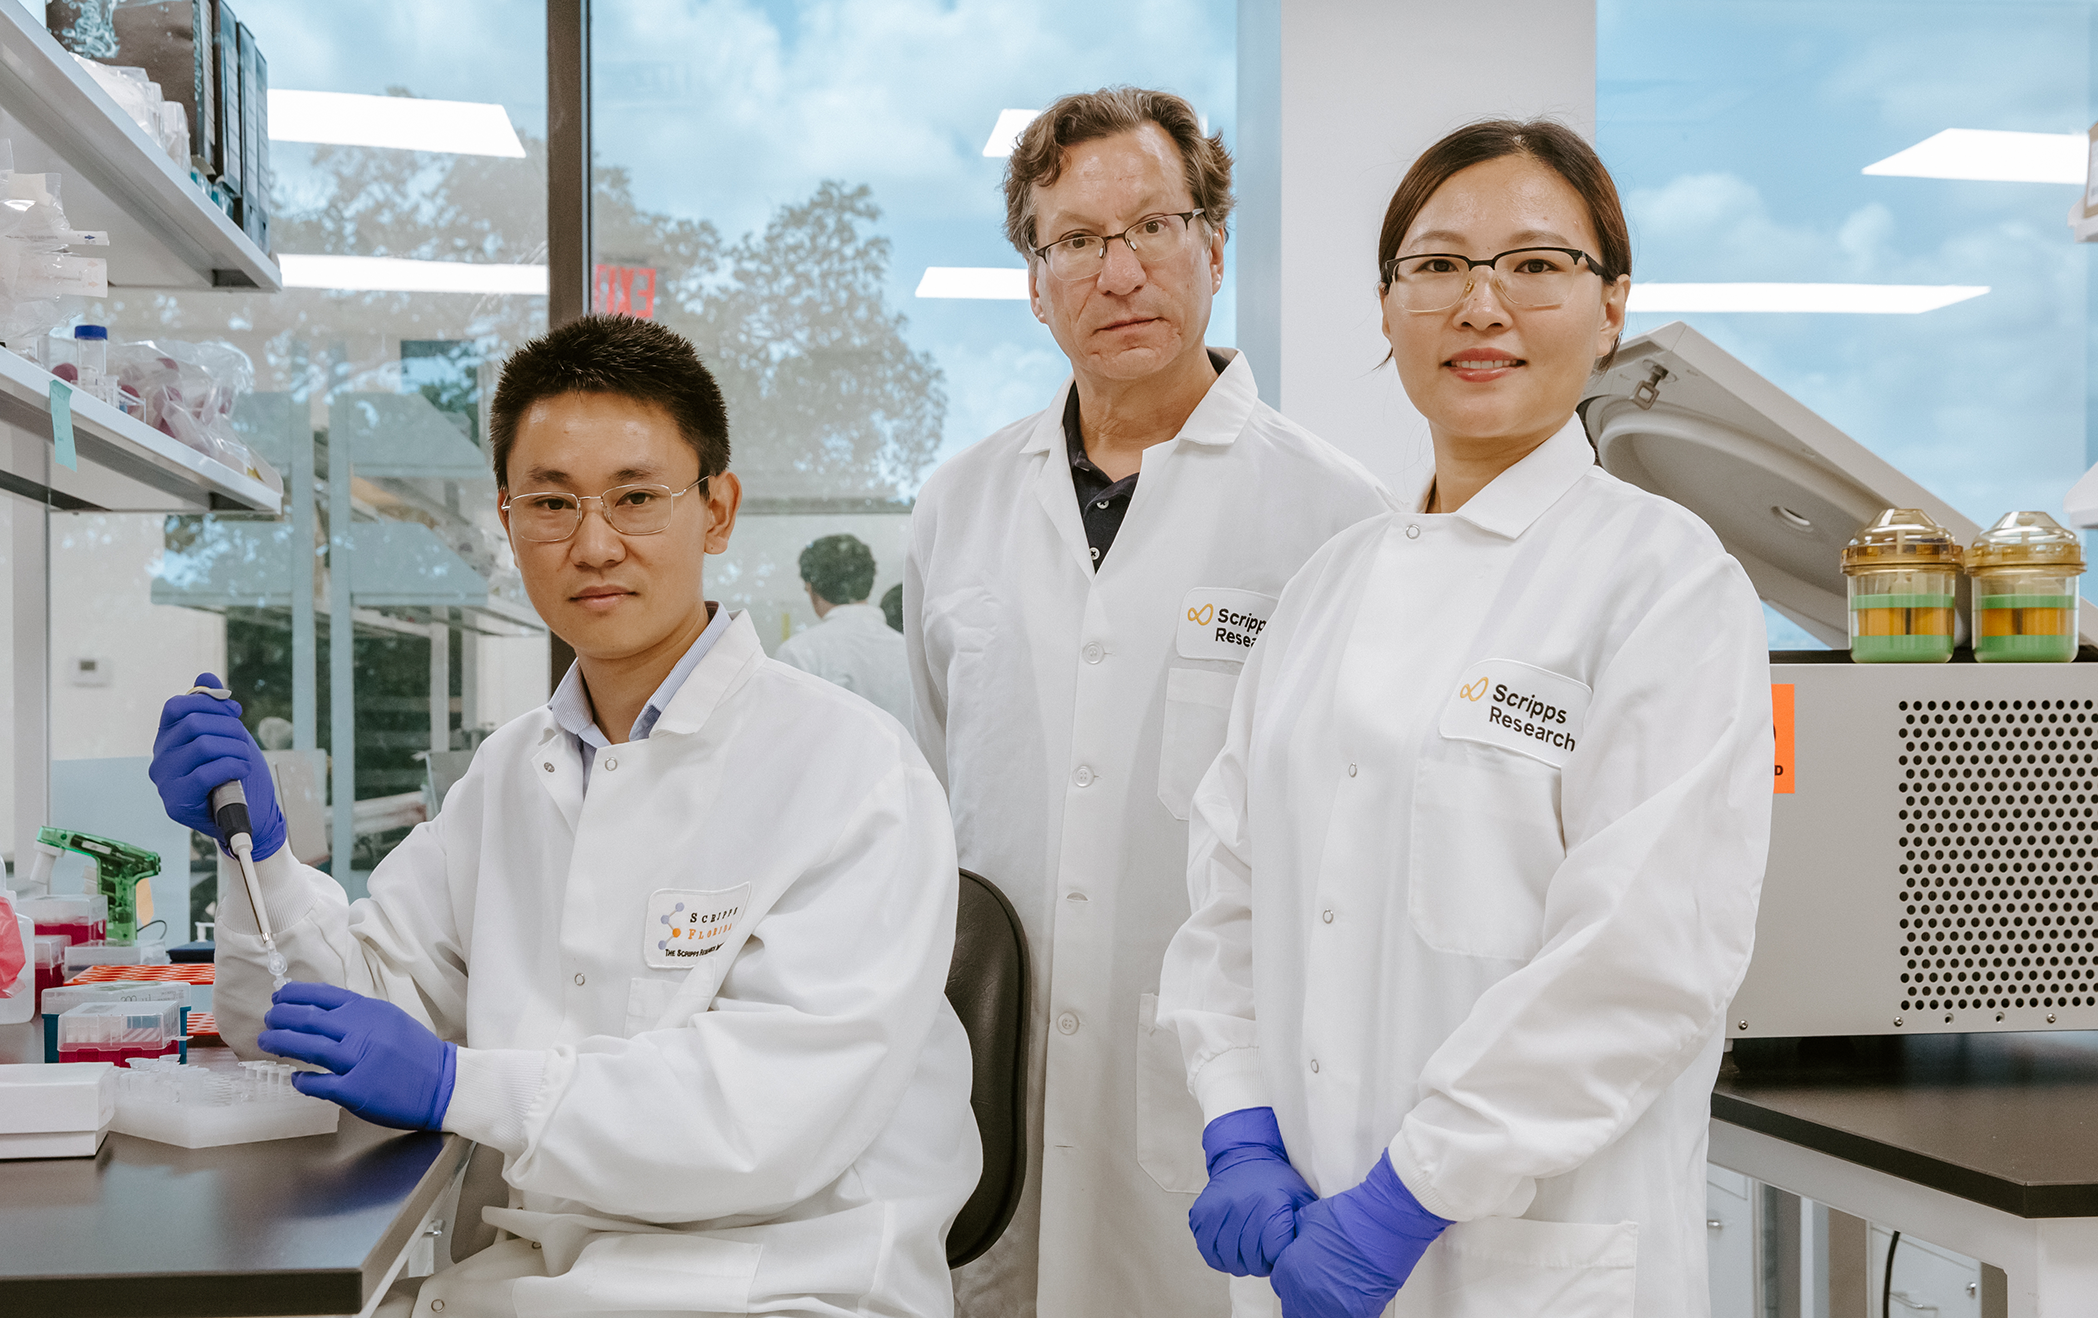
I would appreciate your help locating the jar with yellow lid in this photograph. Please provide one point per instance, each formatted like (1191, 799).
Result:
(1903, 569)
(2025, 569)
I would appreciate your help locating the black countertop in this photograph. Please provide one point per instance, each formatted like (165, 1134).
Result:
(2006, 1120)
(293, 1226)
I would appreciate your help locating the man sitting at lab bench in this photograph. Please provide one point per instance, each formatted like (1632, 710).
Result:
(677, 943)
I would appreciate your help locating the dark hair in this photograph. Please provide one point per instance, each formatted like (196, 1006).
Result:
(637, 359)
(1553, 144)
(1038, 157)
(840, 567)
(892, 607)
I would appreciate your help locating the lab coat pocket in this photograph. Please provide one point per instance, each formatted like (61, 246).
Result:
(1198, 712)
(1168, 1120)
(1486, 842)
(647, 998)
(1495, 1267)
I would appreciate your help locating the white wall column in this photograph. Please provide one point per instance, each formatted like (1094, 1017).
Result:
(1336, 99)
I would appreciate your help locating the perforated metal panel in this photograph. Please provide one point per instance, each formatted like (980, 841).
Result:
(1998, 836)
(1933, 854)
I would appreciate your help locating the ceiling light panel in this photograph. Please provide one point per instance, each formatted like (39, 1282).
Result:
(1990, 156)
(1856, 299)
(389, 274)
(965, 281)
(1005, 134)
(403, 123)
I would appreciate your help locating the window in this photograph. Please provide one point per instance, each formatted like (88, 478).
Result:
(811, 193)
(1936, 148)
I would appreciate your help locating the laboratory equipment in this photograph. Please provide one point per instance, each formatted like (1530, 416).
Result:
(1903, 573)
(80, 957)
(77, 917)
(55, 1111)
(62, 999)
(50, 960)
(2024, 571)
(119, 1031)
(91, 360)
(210, 1102)
(1924, 871)
(123, 875)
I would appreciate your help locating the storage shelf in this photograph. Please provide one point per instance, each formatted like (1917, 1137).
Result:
(164, 233)
(157, 472)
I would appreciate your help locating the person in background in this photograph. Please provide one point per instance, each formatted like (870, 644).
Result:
(892, 607)
(1082, 589)
(1476, 874)
(851, 644)
(677, 944)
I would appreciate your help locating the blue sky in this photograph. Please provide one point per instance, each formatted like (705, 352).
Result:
(1737, 132)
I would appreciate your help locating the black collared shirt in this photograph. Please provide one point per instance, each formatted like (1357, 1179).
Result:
(1102, 503)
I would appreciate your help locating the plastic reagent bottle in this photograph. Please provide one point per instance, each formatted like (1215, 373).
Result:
(1903, 570)
(2024, 570)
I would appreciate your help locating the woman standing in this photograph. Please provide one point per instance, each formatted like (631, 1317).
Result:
(1475, 875)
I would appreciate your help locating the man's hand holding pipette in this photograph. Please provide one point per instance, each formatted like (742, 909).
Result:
(204, 751)
(203, 745)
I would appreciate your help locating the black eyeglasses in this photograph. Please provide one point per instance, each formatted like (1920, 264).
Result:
(1526, 277)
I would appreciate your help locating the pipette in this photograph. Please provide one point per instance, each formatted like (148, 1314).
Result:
(229, 809)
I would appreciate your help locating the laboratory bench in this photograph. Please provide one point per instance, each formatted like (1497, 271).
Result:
(1983, 1143)
(319, 1225)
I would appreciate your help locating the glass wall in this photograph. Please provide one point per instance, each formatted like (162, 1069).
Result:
(414, 258)
(811, 193)
(1936, 146)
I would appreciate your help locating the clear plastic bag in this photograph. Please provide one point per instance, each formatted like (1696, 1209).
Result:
(188, 391)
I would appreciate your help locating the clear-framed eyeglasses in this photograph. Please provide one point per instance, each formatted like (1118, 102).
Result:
(1527, 277)
(1083, 255)
(552, 515)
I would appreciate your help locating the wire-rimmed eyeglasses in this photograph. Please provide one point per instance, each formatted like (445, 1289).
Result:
(1082, 255)
(552, 515)
(1526, 277)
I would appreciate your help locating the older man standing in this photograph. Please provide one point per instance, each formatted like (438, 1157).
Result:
(1081, 592)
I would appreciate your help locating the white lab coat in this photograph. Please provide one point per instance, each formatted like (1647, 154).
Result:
(854, 647)
(1502, 956)
(780, 1126)
(1071, 715)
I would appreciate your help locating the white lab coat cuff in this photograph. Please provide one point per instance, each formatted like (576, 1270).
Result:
(284, 891)
(1230, 1081)
(1445, 1203)
(492, 1091)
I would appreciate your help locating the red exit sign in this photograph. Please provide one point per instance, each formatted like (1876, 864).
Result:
(624, 290)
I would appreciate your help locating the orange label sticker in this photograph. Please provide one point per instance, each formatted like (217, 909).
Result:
(1781, 719)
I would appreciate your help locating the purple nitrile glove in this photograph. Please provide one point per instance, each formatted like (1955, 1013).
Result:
(1355, 1249)
(389, 1069)
(203, 743)
(1248, 1212)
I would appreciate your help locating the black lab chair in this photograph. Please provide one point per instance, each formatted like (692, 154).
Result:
(987, 985)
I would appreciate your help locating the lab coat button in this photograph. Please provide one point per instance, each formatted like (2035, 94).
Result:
(1413, 532)
(1327, 916)
(548, 766)
(1067, 1023)
(1093, 653)
(1351, 771)
(1314, 1066)
(437, 1306)
(611, 765)
(1083, 776)
(579, 981)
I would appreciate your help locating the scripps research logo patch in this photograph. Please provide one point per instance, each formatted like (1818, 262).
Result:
(684, 925)
(1519, 707)
(1220, 623)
